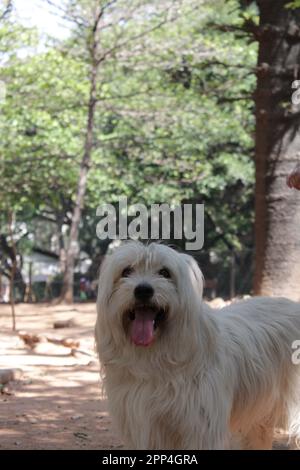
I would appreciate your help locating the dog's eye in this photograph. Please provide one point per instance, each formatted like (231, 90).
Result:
(165, 273)
(127, 271)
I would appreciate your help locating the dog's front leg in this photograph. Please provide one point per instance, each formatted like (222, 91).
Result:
(213, 425)
(215, 438)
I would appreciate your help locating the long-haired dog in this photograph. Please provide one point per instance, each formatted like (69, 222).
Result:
(180, 375)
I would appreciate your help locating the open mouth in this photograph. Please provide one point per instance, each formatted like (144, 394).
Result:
(144, 320)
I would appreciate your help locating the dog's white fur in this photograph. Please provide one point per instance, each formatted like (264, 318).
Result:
(212, 379)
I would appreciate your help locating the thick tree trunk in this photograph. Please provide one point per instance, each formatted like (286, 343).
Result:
(73, 245)
(277, 270)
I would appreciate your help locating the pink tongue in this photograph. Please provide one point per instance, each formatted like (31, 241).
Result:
(142, 327)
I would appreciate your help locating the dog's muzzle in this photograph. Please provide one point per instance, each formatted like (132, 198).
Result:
(145, 316)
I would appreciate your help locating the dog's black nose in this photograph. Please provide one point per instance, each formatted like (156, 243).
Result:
(143, 292)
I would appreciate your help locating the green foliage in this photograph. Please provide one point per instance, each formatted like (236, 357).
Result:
(185, 131)
(295, 4)
(174, 117)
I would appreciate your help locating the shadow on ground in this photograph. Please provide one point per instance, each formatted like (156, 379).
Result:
(57, 403)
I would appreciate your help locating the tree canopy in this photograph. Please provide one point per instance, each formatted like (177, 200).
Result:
(173, 117)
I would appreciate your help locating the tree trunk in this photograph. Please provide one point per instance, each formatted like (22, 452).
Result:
(73, 246)
(13, 271)
(232, 275)
(277, 207)
(72, 250)
(29, 295)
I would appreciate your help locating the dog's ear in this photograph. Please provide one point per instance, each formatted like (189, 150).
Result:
(195, 276)
(190, 290)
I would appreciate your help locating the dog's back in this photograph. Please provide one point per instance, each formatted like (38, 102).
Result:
(263, 334)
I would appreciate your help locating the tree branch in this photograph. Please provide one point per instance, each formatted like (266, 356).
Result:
(7, 10)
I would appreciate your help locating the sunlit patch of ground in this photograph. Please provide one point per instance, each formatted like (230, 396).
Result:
(57, 403)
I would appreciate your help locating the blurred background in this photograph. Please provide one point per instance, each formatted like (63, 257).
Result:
(163, 102)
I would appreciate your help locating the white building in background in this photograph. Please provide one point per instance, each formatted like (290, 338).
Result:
(42, 267)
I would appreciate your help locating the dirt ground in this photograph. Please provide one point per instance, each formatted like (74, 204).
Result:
(57, 403)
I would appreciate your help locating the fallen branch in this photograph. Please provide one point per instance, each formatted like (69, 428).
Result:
(29, 339)
(66, 342)
(32, 340)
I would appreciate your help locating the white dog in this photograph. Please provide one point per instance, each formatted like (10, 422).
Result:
(180, 375)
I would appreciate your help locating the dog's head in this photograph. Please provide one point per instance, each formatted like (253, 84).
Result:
(147, 295)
